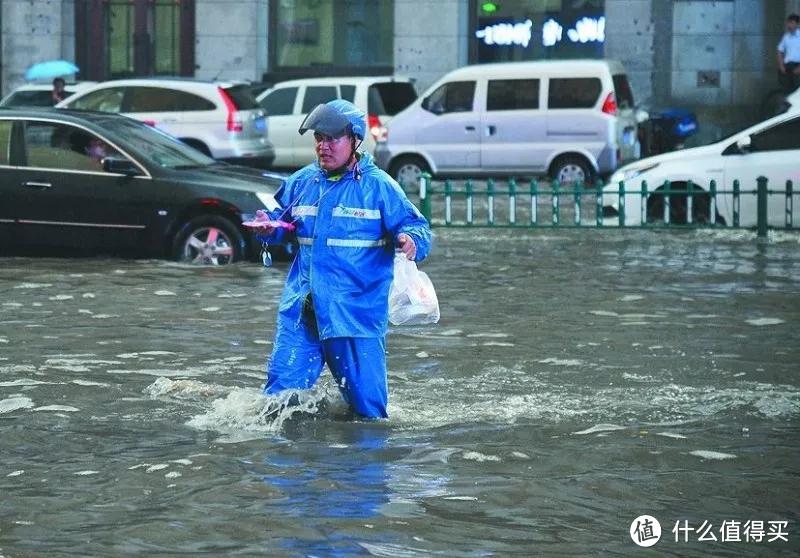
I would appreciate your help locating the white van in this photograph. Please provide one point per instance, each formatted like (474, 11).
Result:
(288, 102)
(569, 119)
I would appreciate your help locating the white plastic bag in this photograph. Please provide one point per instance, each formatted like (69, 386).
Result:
(412, 299)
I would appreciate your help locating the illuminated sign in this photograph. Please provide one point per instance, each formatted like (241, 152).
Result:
(586, 30)
(506, 33)
(551, 32)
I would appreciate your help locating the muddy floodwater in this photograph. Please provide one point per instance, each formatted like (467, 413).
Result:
(577, 381)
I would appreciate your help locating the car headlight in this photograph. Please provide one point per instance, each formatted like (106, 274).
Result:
(268, 200)
(631, 172)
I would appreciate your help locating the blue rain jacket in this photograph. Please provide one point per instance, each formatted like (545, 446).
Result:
(346, 230)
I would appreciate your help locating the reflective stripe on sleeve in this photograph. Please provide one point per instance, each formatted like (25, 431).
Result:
(305, 240)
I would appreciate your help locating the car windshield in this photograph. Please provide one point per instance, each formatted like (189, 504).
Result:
(161, 148)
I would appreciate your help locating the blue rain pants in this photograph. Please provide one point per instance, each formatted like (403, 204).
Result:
(358, 365)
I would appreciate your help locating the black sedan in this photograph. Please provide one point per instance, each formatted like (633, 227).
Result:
(76, 182)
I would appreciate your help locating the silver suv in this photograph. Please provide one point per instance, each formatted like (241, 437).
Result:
(288, 102)
(221, 119)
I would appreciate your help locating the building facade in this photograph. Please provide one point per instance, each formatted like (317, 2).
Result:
(716, 57)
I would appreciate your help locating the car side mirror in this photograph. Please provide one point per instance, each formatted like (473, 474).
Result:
(118, 165)
(744, 144)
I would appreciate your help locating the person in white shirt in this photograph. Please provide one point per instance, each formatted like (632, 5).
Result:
(789, 55)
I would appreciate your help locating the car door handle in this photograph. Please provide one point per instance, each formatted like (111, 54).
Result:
(37, 184)
(490, 130)
(469, 128)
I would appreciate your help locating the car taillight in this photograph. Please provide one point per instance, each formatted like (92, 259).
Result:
(610, 104)
(375, 127)
(234, 124)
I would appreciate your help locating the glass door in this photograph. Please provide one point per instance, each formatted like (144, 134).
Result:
(134, 38)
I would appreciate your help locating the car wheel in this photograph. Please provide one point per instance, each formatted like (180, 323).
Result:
(407, 170)
(678, 205)
(572, 169)
(209, 240)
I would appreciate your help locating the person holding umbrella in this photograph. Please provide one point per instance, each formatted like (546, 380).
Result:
(55, 70)
(58, 94)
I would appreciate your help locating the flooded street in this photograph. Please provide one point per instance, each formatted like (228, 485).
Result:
(576, 381)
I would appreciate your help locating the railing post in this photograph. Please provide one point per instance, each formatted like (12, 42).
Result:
(490, 201)
(598, 204)
(737, 200)
(621, 203)
(554, 193)
(643, 203)
(424, 195)
(712, 206)
(468, 189)
(761, 205)
(534, 201)
(789, 205)
(578, 196)
(512, 202)
(448, 202)
(689, 201)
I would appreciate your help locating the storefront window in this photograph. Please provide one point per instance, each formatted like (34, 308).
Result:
(356, 34)
(508, 30)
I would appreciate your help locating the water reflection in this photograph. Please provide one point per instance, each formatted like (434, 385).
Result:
(343, 482)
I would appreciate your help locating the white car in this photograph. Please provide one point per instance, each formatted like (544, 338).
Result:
(770, 149)
(221, 119)
(288, 102)
(40, 94)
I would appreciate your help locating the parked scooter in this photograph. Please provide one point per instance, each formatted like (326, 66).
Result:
(666, 130)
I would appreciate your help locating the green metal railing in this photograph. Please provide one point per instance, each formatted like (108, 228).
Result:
(512, 203)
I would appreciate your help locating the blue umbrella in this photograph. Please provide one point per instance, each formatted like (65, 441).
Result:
(50, 69)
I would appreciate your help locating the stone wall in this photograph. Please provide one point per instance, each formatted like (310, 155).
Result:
(724, 60)
(231, 39)
(34, 31)
(716, 58)
(430, 38)
(631, 37)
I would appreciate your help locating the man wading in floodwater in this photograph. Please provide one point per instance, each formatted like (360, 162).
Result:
(349, 217)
